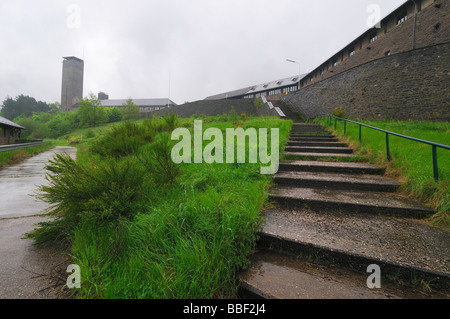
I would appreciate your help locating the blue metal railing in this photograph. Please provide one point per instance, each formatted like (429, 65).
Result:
(388, 150)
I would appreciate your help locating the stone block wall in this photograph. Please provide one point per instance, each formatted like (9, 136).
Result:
(413, 85)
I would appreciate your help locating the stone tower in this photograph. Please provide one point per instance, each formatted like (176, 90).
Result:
(72, 83)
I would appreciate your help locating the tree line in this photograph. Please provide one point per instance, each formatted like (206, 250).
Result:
(42, 120)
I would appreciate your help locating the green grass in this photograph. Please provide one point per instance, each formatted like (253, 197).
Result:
(16, 156)
(182, 240)
(411, 161)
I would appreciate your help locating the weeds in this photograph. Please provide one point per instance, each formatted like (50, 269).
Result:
(13, 157)
(141, 227)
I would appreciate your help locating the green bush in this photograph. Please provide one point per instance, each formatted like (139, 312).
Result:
(258, 103)
(123, 140)
(58, 126)
(233, 115)
(91, 193)
(114, 115)
(156, 158)
(171, 121)
(90, 134)
(339, 112)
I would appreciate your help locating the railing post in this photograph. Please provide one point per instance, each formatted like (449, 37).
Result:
(360, 133)
(435, 164)
(388, 151)
(345, 127)
(335, 123)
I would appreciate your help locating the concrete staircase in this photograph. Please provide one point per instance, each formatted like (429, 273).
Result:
(332, 219)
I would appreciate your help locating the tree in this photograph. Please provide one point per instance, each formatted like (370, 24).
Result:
(131, 110)
(114, 115)
(55, 107)
(90, 112)
(22, 105)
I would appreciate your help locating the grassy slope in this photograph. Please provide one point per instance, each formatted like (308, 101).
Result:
(411, 161)
(185, 242)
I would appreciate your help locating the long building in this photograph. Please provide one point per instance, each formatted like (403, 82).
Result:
(415, 24)
(271, 90)
(397, 70)
(145, 105)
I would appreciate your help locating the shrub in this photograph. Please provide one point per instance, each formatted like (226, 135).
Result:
(233, 115)
(90, 134)
(115, 115)
(123, 140)
(258, 103)
(171, 121)
(339, 112)
(156, 158)
(88, 193)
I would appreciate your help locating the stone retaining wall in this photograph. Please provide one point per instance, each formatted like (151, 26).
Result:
(413, 85)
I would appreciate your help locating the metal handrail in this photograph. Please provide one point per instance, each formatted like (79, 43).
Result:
(388, 152)
(12, 147)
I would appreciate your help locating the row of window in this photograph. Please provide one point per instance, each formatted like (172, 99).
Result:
(150, 108)
(272, 92)
(403, 17)
(290, 89)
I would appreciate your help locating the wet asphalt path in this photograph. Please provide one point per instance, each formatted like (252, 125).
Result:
(24, 269)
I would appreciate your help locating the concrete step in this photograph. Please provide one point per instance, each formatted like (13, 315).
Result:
(318, 156)
(331, 167)
(349, 201)
(337, 181)
(317, 143)
(308, 129)
(310, 133)
(277, 276)
(318, 149)
(403, 248)
(313, 138)
(296, 125)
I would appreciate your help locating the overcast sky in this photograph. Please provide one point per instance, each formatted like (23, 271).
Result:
(135, 48)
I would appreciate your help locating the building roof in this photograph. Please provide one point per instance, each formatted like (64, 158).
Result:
(259, 88)
(9, 123)
(72, 58)
(138, 102)
(230, 94)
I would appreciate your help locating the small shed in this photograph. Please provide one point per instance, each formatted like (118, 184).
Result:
(9, 131)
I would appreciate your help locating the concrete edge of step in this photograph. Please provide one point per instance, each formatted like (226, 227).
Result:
(356, 262)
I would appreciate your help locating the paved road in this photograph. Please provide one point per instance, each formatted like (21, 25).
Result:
(23, 267)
